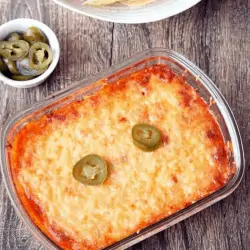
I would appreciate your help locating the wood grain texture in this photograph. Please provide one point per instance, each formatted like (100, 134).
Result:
(214, 35)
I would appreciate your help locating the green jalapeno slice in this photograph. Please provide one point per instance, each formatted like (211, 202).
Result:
(3, 66)
(146, 137)
(24, 68)
(33, 35)
(15, 50)
(91, 170)
(21, 77)
(40, 56)
(14, 37)
(11, 66)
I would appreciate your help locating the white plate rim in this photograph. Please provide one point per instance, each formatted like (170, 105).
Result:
(130, 19)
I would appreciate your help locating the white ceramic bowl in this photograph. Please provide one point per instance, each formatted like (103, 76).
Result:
(20, 25)
(120, 13)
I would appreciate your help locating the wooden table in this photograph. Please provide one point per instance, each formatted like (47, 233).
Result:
(214, 35)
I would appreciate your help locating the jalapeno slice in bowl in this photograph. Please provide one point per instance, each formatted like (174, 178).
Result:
(11, 66)
(40, 56)
(14, 37)
(146, 137)
(3, 66)
(33, 35)
(91, 170)
(25, 69)
(15, 50)
(21, 77)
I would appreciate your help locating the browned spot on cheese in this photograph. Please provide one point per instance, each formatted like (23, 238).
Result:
(123, 119)
(36, 208)
(66, 241)
(211, 134)
(8, 145)
(55, 116)
(163, 73)
(186, 97)
(145, 115)
(165, 139)
(221, 155)
(94, 100)
(174, 178)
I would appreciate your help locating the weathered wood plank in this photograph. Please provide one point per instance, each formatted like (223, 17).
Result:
(214, 35)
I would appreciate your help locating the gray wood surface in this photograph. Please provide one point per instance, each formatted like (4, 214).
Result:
(214, 35)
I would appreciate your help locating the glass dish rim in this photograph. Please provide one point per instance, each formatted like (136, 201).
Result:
(83, 84)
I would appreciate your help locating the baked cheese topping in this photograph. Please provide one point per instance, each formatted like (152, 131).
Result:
(142, 187)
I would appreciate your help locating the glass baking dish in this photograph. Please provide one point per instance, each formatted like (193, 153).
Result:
(178, 64)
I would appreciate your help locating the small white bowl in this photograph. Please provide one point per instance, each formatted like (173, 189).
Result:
(20, 25)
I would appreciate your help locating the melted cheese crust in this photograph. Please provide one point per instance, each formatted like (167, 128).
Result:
(143, 187)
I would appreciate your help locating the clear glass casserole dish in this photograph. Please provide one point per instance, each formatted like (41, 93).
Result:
(179, 65)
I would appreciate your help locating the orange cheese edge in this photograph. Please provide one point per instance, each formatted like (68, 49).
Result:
(142, 188)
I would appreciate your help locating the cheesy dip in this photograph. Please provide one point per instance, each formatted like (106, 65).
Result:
(142, 187)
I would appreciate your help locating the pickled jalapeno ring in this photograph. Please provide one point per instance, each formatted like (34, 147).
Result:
(91, 170)
(146, 137)
(3, 66)
(14, 37)
(25, 69)
(21, 77)
(40, 56)
(15, 50)
(33, 35)
(11, 66)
